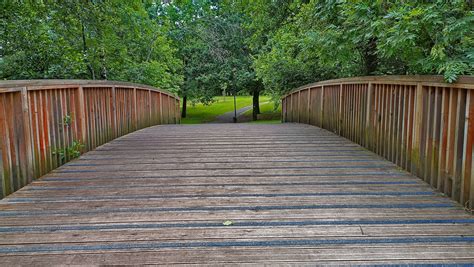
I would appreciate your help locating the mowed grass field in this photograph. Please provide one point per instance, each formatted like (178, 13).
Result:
(201, 113)
(268, 114)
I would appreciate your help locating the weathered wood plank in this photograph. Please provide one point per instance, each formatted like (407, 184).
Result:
(296, 194)
(41, 120)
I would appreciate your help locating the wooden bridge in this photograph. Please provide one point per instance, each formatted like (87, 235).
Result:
(235, 193)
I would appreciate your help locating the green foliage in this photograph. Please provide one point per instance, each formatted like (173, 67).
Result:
(67, 120)
(115, 40)
(433, 37)
(322, 39)
(228, 223)
(211, 43)
(69, 152)
(202, 48)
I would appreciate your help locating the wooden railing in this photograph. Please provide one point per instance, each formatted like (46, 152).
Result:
(420, 123)
(45, 123)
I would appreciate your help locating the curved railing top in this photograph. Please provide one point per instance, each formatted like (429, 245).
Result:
(16, 85)
(421, 123)
(46, 123)
(465, 81)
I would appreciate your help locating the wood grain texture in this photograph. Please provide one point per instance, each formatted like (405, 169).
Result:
(41, 120)
(296, 194)
(419, 123)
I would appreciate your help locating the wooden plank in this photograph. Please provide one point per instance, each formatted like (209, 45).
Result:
(165, 192)
(161, 108)
(322, 107)
(81, 116)
(443, 132)
(134, 110)
(298, 110)
(404, 124)
(35, 133)
(377, 120)
(417, 132)
(309, 106)
(399, 126)
(149, 108)
(339, 116)
(28, 154)
(385, 119)
(390, 122)
(6, 156)
(54, 126)
(458, 144)
(411, 121)
(468, 143)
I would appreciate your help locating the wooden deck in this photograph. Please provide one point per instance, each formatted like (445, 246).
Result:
(295, 194)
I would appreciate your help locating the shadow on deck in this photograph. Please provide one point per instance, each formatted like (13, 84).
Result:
(294, 193)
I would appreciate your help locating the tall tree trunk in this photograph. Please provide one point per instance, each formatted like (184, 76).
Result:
(84, 49)
(183, 111)
(370, 57)
(256, 104)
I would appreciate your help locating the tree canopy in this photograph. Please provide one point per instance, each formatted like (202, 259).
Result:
(203, 48)
(116, 40)
(321, 39)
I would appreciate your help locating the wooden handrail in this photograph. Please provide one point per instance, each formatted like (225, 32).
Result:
(45, 123)
(421, 123)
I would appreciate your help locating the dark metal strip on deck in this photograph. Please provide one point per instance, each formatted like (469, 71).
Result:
(146, 195)
(269, 243)
(144, 225)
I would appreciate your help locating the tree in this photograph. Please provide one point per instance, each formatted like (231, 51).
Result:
(201, 48)
(210, 41)
(95, 40)
(322, 39)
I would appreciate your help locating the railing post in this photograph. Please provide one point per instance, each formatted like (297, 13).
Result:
(178, 110)
(466, 174)
(134, 110)
(169, 109)
(149, 108)
(114, 113)
(368, 117)
(161, 108)
(5, 166)
(339, 119)
(3, 190)
(471, 197)
(458, 146)
(322, 107)
(298, 106)
(27, 135)
(417, 131)
(81, 117)
(309, 106)
(290, 96)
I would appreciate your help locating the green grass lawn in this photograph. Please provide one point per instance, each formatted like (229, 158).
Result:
(200, 113)
(268, 114)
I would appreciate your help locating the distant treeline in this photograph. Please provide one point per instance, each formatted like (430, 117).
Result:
(201, 48)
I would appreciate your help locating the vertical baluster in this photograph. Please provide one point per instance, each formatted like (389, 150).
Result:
(29, 174)
(458, 143)
(468, 143)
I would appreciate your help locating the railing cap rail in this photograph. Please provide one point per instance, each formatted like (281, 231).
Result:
(48, 83)
(435, 80)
